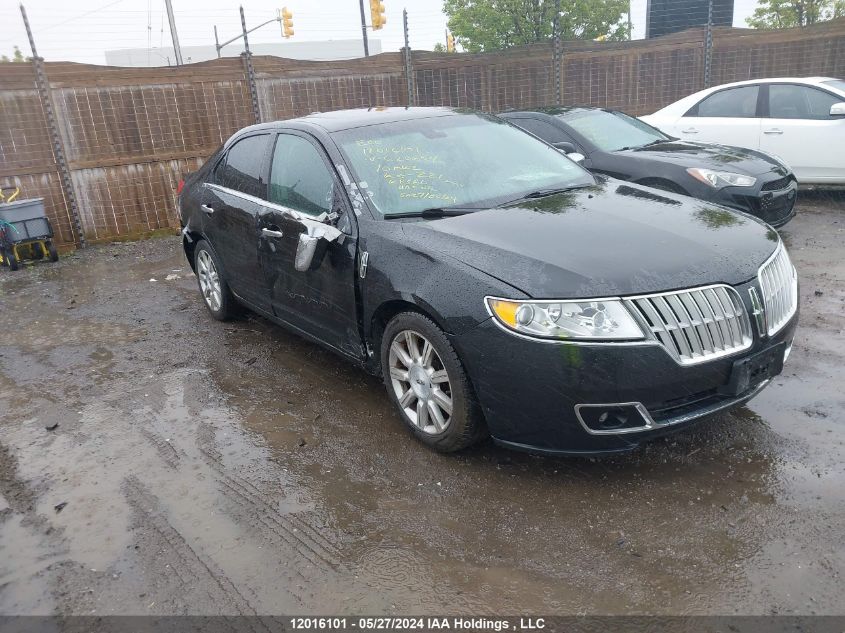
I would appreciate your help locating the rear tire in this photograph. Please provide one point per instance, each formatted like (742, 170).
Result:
(427, 382)
(51, 249)
(213, 287)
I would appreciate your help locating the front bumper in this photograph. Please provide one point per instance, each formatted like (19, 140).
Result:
(775, 206)
(529, 390)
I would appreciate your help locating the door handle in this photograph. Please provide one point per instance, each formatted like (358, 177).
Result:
(271, 233)
(689, 130)
(207, 208)
(774, 130)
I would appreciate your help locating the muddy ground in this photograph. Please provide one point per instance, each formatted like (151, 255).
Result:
(213, 468)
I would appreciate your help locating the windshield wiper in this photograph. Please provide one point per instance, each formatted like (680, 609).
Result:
(543, 193)
(649, 144)
(436, 212)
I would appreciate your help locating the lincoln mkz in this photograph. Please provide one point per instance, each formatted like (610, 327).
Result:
(495, 285)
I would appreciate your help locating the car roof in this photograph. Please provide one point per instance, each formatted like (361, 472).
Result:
(553, 110)
(337, 120)
(775, 80)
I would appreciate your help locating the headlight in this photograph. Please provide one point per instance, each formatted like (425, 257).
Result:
(601, 320)
(719, 179)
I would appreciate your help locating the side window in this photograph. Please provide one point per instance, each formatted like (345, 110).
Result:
(241, 168)
(734, 102)
(299, 178)
(790, 101)
(544, 130)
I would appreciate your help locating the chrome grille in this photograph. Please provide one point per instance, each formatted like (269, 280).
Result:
(779, 284)
(696, 325)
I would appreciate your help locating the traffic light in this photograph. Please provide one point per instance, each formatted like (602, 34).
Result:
(287, 22)
(377, 14)
(450, 43)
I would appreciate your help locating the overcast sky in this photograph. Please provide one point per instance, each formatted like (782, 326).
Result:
(81, 30)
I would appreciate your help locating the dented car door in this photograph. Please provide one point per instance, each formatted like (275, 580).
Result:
(307, 243)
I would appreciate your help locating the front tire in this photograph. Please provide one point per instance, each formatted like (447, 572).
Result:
(427, 382)
(213, 287)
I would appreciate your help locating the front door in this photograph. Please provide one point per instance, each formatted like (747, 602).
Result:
(800, 130)
(729, 117)
(320, 301)
(231, 201)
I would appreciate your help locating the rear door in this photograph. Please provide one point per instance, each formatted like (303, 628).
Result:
(231, 201)
(320, 301)
(799, 129)
(730, 116)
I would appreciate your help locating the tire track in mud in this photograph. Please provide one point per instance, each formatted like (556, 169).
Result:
(288, 530)
(190, 567)
(168, 453)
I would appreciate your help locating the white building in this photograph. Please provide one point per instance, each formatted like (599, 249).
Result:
(325, 50)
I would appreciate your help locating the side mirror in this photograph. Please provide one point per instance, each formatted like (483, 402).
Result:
(313, 243)
(576, 157)
(305, 251)
(838, 109)
(566, 148)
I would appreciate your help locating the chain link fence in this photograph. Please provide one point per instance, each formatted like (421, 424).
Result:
(128, 134)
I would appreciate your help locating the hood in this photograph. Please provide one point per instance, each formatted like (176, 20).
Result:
(711, 156)
(610, 239)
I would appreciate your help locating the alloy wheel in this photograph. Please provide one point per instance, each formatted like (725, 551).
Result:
(209, 281)
(420, 382)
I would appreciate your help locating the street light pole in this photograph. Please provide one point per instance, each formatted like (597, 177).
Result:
(176, 49)
(364, 29)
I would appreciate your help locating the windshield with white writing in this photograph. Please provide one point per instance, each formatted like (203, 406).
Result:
(462, 161)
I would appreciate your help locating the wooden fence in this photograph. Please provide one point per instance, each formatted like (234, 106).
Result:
(129, 133)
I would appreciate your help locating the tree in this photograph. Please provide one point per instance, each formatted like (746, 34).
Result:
(439, 47)
(784, 14)
(17, 56)
(484, 25)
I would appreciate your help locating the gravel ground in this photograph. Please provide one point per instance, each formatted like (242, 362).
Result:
(209, 468)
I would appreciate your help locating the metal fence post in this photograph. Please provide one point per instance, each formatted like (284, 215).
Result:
(406, 53)
(55, 137)
(708, 45)
(250, 72)
(556, 53)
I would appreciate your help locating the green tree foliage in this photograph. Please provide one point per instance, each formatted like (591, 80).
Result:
(784, 14)
(17, 56)
(485, 25)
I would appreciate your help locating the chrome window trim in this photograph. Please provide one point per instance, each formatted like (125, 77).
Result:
(287, 211)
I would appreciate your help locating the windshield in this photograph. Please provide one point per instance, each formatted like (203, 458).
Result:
(468, 160)
(612, 131)
(839, 84)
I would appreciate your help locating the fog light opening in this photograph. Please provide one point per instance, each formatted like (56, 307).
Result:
(613, 418)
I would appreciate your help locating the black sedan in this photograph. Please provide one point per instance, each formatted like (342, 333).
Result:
(495, 285)
(613, 143)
